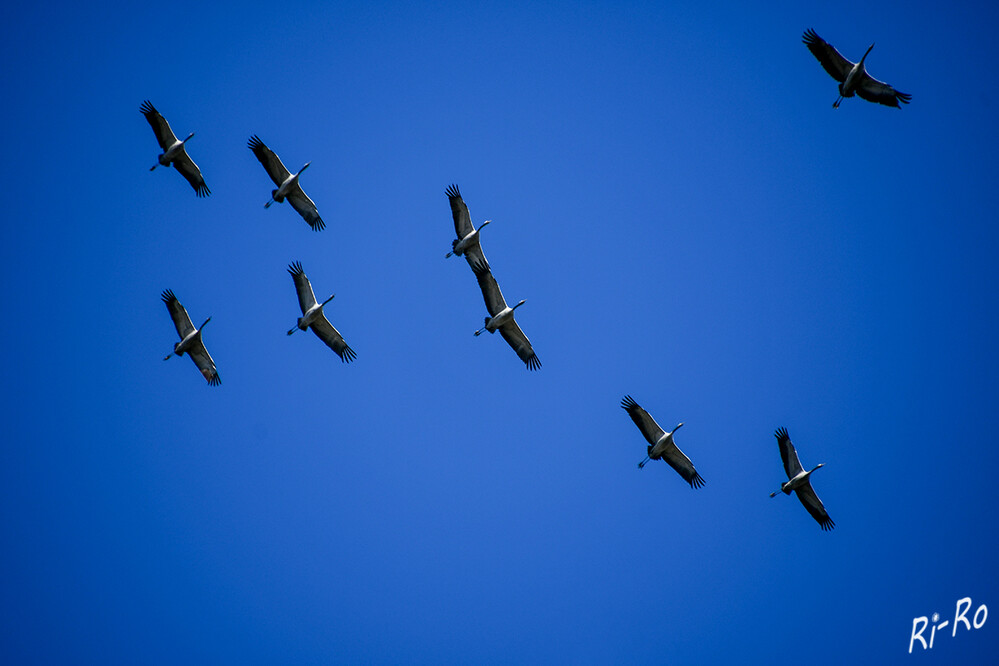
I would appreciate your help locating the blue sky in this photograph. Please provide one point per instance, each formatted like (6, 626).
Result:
(690, 222)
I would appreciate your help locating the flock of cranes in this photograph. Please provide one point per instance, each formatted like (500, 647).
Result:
(853, 80)
(500, 314)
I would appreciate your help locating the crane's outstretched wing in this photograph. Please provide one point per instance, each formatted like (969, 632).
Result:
(491, 294)
(189, 170)
(515, 337)
(681, 463)
(873, 90)
(792, 466)
(181, 320)
(325, 331)
(459, 211)
(301, 202)
(272, 163)
(830, 59)
(161, 128)
(474, 254)
(812, 502)
(463, 226)
(306, 297)
(646, 424)
(199, 354)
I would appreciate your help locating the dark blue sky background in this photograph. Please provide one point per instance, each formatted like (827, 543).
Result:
(690, 222)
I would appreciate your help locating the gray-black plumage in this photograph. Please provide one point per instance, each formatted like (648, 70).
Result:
(467, 243)
(501, 316)
(852, 77)
(190, 339)
(798, 481)
(313, 316)
(173, 150)
(287, 183)
(661, 444)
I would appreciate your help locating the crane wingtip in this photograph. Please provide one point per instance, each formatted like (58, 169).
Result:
(348, 354)
(628, 403)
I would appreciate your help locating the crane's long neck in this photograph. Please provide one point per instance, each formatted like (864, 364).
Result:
(861, 63)
(203, 325)
(327, 300)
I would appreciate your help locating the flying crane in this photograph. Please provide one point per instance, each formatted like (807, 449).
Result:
(798, 481)
(287, 183)
(661, 444)
(313, 317)
(853, 78)
(173, 150)
(501, 316)
(467, 242)
(190, 339)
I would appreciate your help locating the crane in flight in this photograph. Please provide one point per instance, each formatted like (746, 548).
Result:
(852, 77)
(313, 317)
(798, 481)
(467, 242)
(190, 339)
(501, 316)
(661, 444)
(287, 183)
(173, 150)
